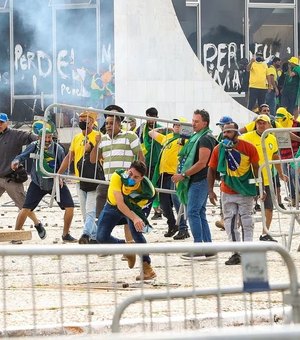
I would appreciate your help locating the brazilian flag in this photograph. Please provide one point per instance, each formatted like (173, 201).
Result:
(235, 171)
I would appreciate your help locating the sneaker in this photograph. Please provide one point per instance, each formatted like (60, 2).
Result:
(156, 216)
(84, 239)
(182, 234)
(220, 224)
(191, 256)
(233, 260)
(41, 231)
(16, 242)
(171, 231)
(257, 207)
(282, 206)
(267, 237)
(68, 239)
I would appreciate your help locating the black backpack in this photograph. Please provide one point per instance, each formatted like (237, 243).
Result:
(87, 169)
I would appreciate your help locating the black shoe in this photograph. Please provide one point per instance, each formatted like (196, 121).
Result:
(257, 207)
(282, 206)
(171, 231)
(182, 234)
(41, 231)
(267, 237)
(68, 239)
(84, 239)
(191, 256)
(233, 260)
(156, 216)
(93, 241)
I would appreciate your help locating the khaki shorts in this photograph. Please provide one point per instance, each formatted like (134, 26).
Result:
(14, 190)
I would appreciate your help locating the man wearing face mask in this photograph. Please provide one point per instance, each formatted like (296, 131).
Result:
(258, 82)
(87, 199)
(129, 193)
(234, 159)
(42, 185)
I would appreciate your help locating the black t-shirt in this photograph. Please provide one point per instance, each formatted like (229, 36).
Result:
(208, 141)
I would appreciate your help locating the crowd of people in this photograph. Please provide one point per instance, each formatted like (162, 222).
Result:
(136, 160)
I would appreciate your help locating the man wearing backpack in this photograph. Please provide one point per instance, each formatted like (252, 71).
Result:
(87, 199)
(42, 185)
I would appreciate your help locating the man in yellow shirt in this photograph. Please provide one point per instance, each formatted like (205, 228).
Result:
(165, 168)
(257, 81)
(87, 200)
(263, 123)
(129, 192)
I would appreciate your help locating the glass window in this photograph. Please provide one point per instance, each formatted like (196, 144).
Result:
(271, 31)
(187, 17)
(222, 36)
(272, 1)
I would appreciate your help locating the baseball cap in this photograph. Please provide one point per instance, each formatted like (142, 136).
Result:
(294, 60)
(115, 108)
(225, 120)
(265, 118)
(48, 132)
(3, 117)
(89, 114)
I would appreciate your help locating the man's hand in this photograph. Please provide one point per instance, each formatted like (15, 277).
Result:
(177, 178)
(138, 224)
(212, 197)
(284, 177)
(98, 138)
(14, 165)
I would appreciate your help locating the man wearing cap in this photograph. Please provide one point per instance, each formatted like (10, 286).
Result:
(290, 90)
(166, 167)
(87, 199)
(223, 120)
(132, 124)
(11, 142)
(42, 185)
(257, 81)
(236, 161)
(263, 123)
(287, 120)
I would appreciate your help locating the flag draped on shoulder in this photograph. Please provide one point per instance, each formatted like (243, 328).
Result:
(186, 160)
(235, 170)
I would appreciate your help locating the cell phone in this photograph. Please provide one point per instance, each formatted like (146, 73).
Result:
(147, 229)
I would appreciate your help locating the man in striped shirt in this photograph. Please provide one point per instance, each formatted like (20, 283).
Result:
(117, 149)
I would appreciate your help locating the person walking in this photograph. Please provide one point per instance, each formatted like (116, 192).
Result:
(42, 185)
(236, 161)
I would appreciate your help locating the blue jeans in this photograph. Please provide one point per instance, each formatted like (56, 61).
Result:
(196, 211)
(109, 217)
(87, 201)
(167, 199)
(271, 101)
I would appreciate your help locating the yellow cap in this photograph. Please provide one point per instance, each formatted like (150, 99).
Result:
(265, 118)
(89, 114)
(294, 60)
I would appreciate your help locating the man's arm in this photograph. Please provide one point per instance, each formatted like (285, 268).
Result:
(66, 162)
(137, 221)
(141, 156)
(23, 156)
(255, 167)
(93, 154)
(204, 154)
(278, 167)
(211, 177)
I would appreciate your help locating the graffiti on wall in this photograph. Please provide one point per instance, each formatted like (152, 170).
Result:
(223, 62)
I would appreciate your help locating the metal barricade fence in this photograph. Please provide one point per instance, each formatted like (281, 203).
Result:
(291, 189)
(71, 290)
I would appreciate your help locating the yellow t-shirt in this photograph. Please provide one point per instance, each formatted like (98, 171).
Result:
(169, 157)
(271, 71)
(116, 184)
(251, 126)
(271, 146)
(78, 144)
(258, 75)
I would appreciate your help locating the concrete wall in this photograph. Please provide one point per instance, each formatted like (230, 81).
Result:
(155, 66)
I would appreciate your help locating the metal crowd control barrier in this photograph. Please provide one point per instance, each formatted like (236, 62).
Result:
(283, 136)
(59, 111)
(53, 290)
